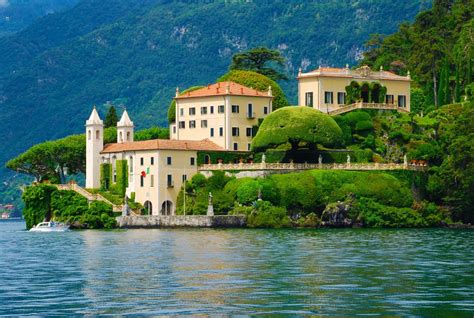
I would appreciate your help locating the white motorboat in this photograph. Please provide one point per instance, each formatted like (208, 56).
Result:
(50, 227)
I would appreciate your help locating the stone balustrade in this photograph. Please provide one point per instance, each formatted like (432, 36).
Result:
(361, 105)
(310, 166)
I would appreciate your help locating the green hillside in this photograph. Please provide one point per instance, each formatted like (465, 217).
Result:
(15, 15)
(137, 52)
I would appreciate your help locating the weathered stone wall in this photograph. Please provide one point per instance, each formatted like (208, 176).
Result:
(158, 221)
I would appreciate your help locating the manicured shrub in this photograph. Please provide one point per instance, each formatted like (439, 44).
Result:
(295, 125)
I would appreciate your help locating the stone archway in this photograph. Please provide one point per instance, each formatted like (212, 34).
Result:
(365, 92)
(148, 207)
(166, 208)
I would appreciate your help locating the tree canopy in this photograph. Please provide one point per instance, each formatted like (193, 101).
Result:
(257, 81)
(260, 60)
(297, 126)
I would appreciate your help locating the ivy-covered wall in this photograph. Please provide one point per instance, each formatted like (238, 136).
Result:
(122, 177)
(105, 176)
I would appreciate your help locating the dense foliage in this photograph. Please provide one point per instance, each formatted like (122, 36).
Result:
(299, 199)
(44, 202)
(438, 49)
(298, 126)
(259, 82)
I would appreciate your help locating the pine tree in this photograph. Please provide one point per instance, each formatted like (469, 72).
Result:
(111, 119)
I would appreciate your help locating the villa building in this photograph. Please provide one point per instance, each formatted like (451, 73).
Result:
(225, 113)
(156, 169)
(219, 117)
(326, 89)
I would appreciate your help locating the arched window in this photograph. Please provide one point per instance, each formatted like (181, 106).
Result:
(97, 134)
(128, 136)
(89, 135)
(120, 137)
(131, 165)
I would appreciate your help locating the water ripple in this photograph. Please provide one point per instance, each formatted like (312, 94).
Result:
(224, 272)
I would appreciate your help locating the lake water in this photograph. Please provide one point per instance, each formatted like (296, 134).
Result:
(426, 272)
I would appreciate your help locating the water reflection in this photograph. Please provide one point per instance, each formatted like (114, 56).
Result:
(166, 272)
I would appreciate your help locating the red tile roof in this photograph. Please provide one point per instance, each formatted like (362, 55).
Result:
(162, 144)
(224, 88)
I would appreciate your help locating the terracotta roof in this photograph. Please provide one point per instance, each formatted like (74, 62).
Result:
(363, 72)
(224, 88)
(162, 144)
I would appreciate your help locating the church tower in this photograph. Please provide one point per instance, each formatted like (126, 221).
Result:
(94, 145)
(124, 129)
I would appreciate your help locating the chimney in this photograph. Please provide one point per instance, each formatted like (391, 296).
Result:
(300, 70)
(208, 86)
(347, 68)
(227, 88)
(242, 90)
(408, 75)
(269, 91)
(177, 92)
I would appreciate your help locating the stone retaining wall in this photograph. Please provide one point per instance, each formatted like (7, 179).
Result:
(160, 221)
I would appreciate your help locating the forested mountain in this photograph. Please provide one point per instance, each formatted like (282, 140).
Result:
(16, 15)
(136, 52)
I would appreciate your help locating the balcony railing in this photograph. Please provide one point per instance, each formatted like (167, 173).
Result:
(250, 115)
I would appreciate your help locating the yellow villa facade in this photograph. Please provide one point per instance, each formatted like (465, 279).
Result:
(225, 113)
(325, 88)
(156, 169)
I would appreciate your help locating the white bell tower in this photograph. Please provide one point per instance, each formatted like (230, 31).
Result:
(94, 145)
(125, 129)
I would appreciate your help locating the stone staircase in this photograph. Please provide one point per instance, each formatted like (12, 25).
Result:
(86, 194)
(361, 105)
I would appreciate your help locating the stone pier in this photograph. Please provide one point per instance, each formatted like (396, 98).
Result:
(170, 221)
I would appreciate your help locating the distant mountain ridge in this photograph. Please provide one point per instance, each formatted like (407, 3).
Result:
(137, 51)
(15, 15)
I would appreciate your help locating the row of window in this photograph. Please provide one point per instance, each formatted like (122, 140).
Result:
(341, 99)
(169, 161)
(220, 110)
(169, 180)
(235, 130)
(236, 146)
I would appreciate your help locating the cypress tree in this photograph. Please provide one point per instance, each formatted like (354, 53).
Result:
(111, 119)
(457, 89)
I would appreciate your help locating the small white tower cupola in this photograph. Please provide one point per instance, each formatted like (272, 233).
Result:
(94, 145)
(125, 128)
